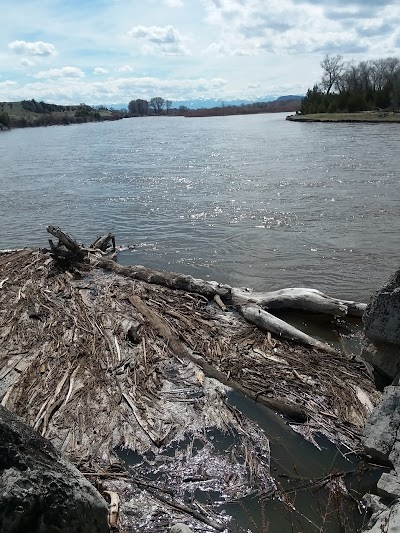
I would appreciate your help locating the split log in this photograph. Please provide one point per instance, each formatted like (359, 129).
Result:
(267, 322)
(101, 243)
(298, 298)
(293, 412)
(66, 240)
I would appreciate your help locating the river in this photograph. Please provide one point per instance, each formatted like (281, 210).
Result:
(248, 200)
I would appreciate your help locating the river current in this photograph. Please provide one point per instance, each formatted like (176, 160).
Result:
(249, 200)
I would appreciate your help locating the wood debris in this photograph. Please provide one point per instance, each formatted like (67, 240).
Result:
(97, 357)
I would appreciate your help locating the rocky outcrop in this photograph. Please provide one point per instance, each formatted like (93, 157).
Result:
(382, 443)
(381, 344)
(382, 431)
(40, 491)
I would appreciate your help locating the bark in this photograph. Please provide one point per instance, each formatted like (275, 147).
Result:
(172, 280)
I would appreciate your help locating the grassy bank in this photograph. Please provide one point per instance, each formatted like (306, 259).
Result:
(30, 113)
(363, 116)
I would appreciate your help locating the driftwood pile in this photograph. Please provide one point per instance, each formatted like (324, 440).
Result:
(97, 357)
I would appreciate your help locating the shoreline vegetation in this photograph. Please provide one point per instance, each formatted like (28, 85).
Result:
(362, 116)
(30, 113)
(348, 92)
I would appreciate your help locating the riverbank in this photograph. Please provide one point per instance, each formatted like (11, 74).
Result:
(363, 116)
(127, 359)
(29, 113)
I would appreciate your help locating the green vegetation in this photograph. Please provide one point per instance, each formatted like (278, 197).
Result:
(351, 87)
(28, 113)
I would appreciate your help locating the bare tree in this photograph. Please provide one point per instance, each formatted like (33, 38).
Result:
(157, 104)
(168, 105)
(333, 68)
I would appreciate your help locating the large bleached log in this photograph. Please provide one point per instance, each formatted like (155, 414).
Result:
(298, 298)
(267, 322)
(173, 280)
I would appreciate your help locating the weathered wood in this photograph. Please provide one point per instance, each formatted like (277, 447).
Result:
(298, 298)
(177, 348)
(113, 508)
(65, 239)
(172, 280)
(267, 322)
(101, 243)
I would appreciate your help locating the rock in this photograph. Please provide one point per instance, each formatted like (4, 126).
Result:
(387, 521)
(384, 356)
(381, 439)
(41, 492)
(375, 506)
(389, 486)
(382, 327)
(181, 528)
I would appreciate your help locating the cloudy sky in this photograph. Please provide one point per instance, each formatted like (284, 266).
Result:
(112, 51)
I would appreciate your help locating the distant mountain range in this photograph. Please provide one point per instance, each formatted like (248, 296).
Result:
(204, 103)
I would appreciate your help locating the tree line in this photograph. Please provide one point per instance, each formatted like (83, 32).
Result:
(351, 87)
(159, 106)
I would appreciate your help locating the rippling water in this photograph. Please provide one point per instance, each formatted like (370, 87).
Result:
(248, 200)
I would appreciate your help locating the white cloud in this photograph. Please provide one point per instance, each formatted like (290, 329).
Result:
(125, 68)
(72, 90)
(225, 49)
(7, 83)
(64, 72)
(155, 40)
(38, 48)
(100, 70)
(251, 27)
(173, 3)
(28, 62)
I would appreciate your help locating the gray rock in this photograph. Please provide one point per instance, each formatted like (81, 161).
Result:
(382, 327)
(387, 521)
(382, 430)
(389, 486)
(382, 317)
(181, 528)
(384, 356)
(375, 505)
(41, 492)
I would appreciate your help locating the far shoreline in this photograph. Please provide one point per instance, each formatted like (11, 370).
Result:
(368, 117)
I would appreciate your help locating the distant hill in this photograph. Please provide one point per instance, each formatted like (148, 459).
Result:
(28, 113)
(289, 97)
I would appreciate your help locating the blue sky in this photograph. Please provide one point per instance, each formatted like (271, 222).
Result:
(98, 51)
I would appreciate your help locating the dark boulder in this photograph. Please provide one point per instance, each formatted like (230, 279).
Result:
(40, 491)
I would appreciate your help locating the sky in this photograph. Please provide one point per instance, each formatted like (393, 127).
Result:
(114, 51)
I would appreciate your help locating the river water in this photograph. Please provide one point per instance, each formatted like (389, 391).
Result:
(248, 200)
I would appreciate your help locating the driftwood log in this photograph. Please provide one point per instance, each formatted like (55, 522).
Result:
(302, 299)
